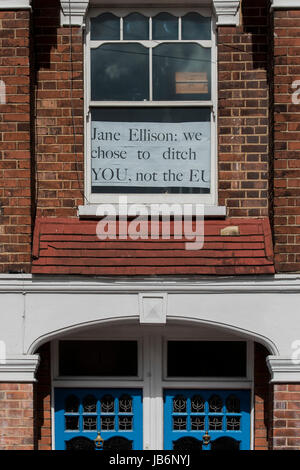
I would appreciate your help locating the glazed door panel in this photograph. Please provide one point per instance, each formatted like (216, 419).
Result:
(80, 413)
(206, 419)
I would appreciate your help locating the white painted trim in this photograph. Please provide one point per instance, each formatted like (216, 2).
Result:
(15, 4)
(19, 368)
(90, 211)
(12, 283)
(283, 370)
(285, 4)
(73, 12)
(227, 12)
(211, 199)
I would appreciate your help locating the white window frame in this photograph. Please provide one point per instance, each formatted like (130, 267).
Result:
(209, 200)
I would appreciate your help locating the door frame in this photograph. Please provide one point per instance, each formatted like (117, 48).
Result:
(151, 378)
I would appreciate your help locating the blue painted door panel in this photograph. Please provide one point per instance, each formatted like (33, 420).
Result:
(85, 411)
(220, 413)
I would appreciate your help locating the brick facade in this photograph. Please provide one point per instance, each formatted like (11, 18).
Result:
(243, 113)
(286, 140)
(286, 421)
(16, 416)
(15, 136)
(42, 171)
(59, 156)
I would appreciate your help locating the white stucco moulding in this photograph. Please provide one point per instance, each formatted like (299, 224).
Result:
(227, 11)
(73, 12)
(285, 4)
(15, 4)
(283, 370)
(19, 368)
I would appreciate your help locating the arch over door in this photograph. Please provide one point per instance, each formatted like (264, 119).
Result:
(82, 413)
(217, 419)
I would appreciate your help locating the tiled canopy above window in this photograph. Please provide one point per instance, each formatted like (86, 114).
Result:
(226, 11)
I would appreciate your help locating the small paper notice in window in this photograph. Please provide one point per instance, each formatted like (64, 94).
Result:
(191, 82)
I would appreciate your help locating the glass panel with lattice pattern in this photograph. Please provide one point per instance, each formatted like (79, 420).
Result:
(125, 423)
(215, 423)
(90, 423)
(125, 404)
(107, 423)
(233, 423)
(179, 404)
(197, 404)
(179, 423)
(107, 404)
(215, 404)
(197, 423)
(89, 404)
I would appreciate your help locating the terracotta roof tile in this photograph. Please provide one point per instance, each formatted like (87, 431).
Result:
(71, 246)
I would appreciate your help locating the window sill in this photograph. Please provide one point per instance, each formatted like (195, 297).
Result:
(90, 211)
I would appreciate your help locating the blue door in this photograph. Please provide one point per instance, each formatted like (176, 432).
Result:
(206, 420)
(114, 415)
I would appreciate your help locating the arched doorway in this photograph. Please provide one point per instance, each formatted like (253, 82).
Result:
(183, 387)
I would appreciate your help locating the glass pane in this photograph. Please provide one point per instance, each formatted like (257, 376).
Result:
(195, 26)
(90, 423)
(215, 423)
(197, 423)
(125, 423)
(120, 72)
(105, 27)
(122, 136)
(100, 358)
(197, 404)
(107, 404)
(125, 404)
(71, 404)
(165, 26)
(215, 359)
(71, 423)
(233, 404)
(233, 423)
(181, 72)
(107, 423)
(179, 404)
(215, 404)
(179, 423)
(89, 404)
(135, 26)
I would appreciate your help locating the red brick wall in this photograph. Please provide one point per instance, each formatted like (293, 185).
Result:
(16, 416)
(15, 162)
(286, 141)
(59, 166)
(42, 401)
(286, 417)
(262, 399)
(243, 112)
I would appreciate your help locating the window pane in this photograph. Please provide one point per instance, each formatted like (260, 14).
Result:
(98, 358)
(151, 150)
(181, 72)
(120, 72)
(195, 26)
(214, 359)
(105, 27)
(135, 26)
(165, 26)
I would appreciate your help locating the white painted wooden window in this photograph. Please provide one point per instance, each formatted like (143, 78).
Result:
(150, 106)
